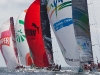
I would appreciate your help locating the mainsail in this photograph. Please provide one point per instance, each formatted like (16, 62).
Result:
(33, 31)
(7, 46)
(60, 16)
(22, 45)
(82, 29)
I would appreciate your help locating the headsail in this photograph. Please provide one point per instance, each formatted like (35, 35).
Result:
(33, 31)
(22, 45)
(7, 46)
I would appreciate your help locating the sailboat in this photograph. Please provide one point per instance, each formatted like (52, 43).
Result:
(82, 31)
(37, 30)
(69, 20)
(22, 45)
(8, 49)
(34, 36)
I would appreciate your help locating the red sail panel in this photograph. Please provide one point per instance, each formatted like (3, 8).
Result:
(34, 37)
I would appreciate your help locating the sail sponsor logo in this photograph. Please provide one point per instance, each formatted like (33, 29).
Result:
(35, 26)
(32, 32)
(20, 35)
(5, 38)
(55, 7)
(62, 23)
(83, 46)
(5, 41)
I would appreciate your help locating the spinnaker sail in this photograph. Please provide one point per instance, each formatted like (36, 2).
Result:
(22, 45)
(60, 16)
(33, 31)
(7, 46)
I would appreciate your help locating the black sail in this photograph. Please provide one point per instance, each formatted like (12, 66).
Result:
(46, 31)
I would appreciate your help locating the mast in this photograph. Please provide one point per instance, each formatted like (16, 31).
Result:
(7, 46)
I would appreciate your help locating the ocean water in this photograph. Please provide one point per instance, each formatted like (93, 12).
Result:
(64, 71)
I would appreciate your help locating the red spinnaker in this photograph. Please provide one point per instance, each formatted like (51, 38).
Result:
(34, 37)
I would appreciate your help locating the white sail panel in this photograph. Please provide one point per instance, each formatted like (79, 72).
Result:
(7, 47)
(57, 54)
(22, 45)
(60, 16)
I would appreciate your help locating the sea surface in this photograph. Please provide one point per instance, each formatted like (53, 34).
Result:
(64, 71)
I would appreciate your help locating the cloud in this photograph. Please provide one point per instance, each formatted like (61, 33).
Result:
(21, 1)
(9, 8)
(2, 2)
(13, 8)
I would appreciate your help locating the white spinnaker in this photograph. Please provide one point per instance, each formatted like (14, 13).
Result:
(60, 16)
(22, 45)
(57, 54)
(7, 47)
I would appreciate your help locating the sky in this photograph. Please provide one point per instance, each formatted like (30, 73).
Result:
(10, 8)
(94, 19)
(13, 8)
